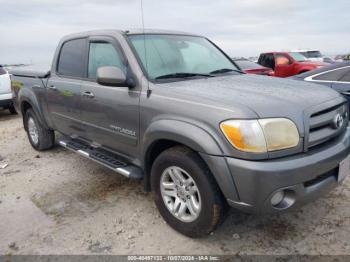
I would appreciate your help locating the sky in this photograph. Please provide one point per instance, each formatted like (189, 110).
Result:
(31, 29)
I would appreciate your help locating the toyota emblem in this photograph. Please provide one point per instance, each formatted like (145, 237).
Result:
(338, 121)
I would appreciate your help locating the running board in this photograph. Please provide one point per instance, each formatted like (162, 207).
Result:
(104, 158)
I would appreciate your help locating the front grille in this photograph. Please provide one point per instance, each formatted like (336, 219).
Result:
(323, 124)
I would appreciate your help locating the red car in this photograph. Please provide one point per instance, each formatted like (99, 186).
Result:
(250, 67)
(287, 63)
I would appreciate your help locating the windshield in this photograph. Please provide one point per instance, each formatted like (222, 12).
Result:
(297, 56)
(178, 55)
(312, 54)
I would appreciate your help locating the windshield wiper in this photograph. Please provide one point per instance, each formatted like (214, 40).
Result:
(224, 70)
(181, 75)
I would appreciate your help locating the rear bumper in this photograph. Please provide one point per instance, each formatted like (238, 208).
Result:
(6, 100)
(305, 177)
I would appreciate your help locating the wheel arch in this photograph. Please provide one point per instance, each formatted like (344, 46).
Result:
(165, 134)
(25, 104)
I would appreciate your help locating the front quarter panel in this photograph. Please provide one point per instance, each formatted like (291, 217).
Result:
(198, 140)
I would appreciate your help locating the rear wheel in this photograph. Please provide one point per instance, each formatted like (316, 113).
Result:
(39, 137)
(186, 193)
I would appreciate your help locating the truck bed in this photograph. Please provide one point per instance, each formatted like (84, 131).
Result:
(30, 71)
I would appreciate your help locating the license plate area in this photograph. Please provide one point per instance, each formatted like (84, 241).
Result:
(344, 168)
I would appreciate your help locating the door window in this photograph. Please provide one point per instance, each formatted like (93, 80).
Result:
(103, 54)
(71, 60)
(282, 59)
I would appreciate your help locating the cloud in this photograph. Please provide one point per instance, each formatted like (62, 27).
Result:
(30, 30)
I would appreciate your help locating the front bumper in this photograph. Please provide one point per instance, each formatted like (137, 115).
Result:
(306, 176)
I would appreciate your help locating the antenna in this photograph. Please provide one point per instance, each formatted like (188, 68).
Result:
(144, 45)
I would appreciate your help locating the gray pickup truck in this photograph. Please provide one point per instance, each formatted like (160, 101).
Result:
(172, 109)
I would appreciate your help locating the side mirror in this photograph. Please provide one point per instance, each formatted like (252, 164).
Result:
(111, 76)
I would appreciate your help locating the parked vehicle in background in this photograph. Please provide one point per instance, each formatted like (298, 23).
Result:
(6, 100)
(339, 58)
(171, 108)
(311, 55)
(328, 60)
(336, 76)
(253, 59)
(286, 64)
(250, 67)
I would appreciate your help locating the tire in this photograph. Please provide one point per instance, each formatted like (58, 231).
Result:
(12, 110)
(44, 139)
(212, 204)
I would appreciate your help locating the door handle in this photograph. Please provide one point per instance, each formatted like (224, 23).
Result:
(53, 88)
(347, 93)
(88, 94)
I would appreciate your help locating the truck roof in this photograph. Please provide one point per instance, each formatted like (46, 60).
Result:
(126, 32)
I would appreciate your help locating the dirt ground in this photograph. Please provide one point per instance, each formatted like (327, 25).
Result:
(57, 202)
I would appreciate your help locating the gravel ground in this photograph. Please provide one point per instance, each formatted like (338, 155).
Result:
(57, 202)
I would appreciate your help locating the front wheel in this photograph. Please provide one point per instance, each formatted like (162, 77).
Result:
(186, 193)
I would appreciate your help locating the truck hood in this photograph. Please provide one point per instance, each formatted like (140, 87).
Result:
(265, 96)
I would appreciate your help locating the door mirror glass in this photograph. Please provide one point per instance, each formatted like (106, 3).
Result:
(111, 76)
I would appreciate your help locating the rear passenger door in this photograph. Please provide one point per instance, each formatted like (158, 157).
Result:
(110, 114)
(64, 87)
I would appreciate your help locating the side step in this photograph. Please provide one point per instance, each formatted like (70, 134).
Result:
(104, 158)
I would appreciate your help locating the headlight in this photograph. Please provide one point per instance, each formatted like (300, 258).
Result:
(261, 135)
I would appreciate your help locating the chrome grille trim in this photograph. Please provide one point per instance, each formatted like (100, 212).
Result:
(320, 122)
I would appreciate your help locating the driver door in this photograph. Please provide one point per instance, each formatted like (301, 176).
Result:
(283, 66)
(110, 114)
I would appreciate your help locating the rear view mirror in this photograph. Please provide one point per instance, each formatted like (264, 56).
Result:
(111, 76)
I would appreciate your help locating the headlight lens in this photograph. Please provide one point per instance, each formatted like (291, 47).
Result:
(261, 135)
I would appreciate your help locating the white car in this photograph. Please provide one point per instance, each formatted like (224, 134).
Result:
(6, 101)
(311, 55)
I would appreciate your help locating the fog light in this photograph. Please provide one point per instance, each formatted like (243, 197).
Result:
(277, 198)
